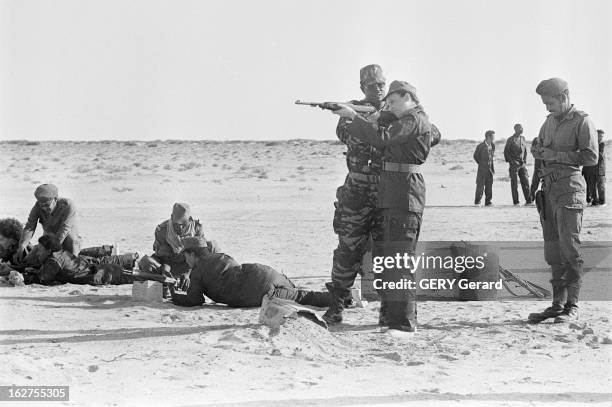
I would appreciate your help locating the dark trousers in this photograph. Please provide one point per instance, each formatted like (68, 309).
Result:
(561, 228)
(522, 173)
(596, 188)
(398, 307)
(286, 290)
(484, 182)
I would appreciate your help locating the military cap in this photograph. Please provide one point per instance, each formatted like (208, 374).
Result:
(194, 242)
(489, 133)
(181, 212)
(396, 86)
(46, 191)
(551, 87)
(370, 74)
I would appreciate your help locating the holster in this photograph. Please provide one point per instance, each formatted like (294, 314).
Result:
(540, 202)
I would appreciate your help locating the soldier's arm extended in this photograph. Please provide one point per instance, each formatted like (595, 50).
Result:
(68, 217)
(161, 248)
(29, 228)
(194, 296)
(588, 148)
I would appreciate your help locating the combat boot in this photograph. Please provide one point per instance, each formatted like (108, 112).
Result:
(349, 302)
(556, 309)
(569, 314)
(333, 315)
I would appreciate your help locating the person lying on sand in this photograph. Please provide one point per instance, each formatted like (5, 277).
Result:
(169, 235)
(224, 280)
(61, 266)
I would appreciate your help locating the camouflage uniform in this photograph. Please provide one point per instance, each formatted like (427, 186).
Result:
(356, 216)
(401, 197)
(572, 140)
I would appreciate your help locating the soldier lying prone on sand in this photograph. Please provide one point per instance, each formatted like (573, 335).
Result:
(224, 280)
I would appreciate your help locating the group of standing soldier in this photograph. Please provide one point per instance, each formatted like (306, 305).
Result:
(515, 154)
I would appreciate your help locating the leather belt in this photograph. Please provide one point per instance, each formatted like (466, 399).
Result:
(402, 167)
(364, 177)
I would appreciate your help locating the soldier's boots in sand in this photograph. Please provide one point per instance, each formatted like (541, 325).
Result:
(333, 315)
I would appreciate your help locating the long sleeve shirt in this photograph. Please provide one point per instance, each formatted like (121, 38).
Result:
(225, 281)
(408, 141)
(515, 152)
(483, 155)
(361, 157)
(573, 138)
(61, 222)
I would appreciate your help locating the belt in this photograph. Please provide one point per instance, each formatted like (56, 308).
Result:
(364, 177)
(402, 167)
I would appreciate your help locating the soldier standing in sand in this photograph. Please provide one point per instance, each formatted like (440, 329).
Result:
(401, 194)
(567, 141)
(356, 214)
(515, 154)
(483, 155)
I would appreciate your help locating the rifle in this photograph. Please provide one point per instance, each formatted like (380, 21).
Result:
(141, 275)
(384, 120)
(335, 106)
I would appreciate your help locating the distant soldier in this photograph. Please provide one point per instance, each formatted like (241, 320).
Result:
(568, 140)
(169, 236)
(225, 281)
(401, 194)
(537, 164)
(483, 155)
(356, 214)
(595, 176)
(56, 215)
(515, 154)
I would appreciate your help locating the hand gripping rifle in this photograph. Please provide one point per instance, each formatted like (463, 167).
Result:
(141, 275)
(385, 117)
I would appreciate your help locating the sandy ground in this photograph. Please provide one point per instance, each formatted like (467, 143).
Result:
(272, 203)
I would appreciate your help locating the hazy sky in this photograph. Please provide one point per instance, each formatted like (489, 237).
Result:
(148, 69)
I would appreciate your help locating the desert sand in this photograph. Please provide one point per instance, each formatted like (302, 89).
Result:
(272, 202)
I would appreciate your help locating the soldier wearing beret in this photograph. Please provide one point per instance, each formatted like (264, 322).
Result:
(401, 193)
(515, 154)
(356, 214)
(567, 141)
(484, 157)
(56, 215)
(225, 281)
(169, 236)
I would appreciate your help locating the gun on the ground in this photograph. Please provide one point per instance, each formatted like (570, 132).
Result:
(336, 106)
(510, 277)
(141, 275)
